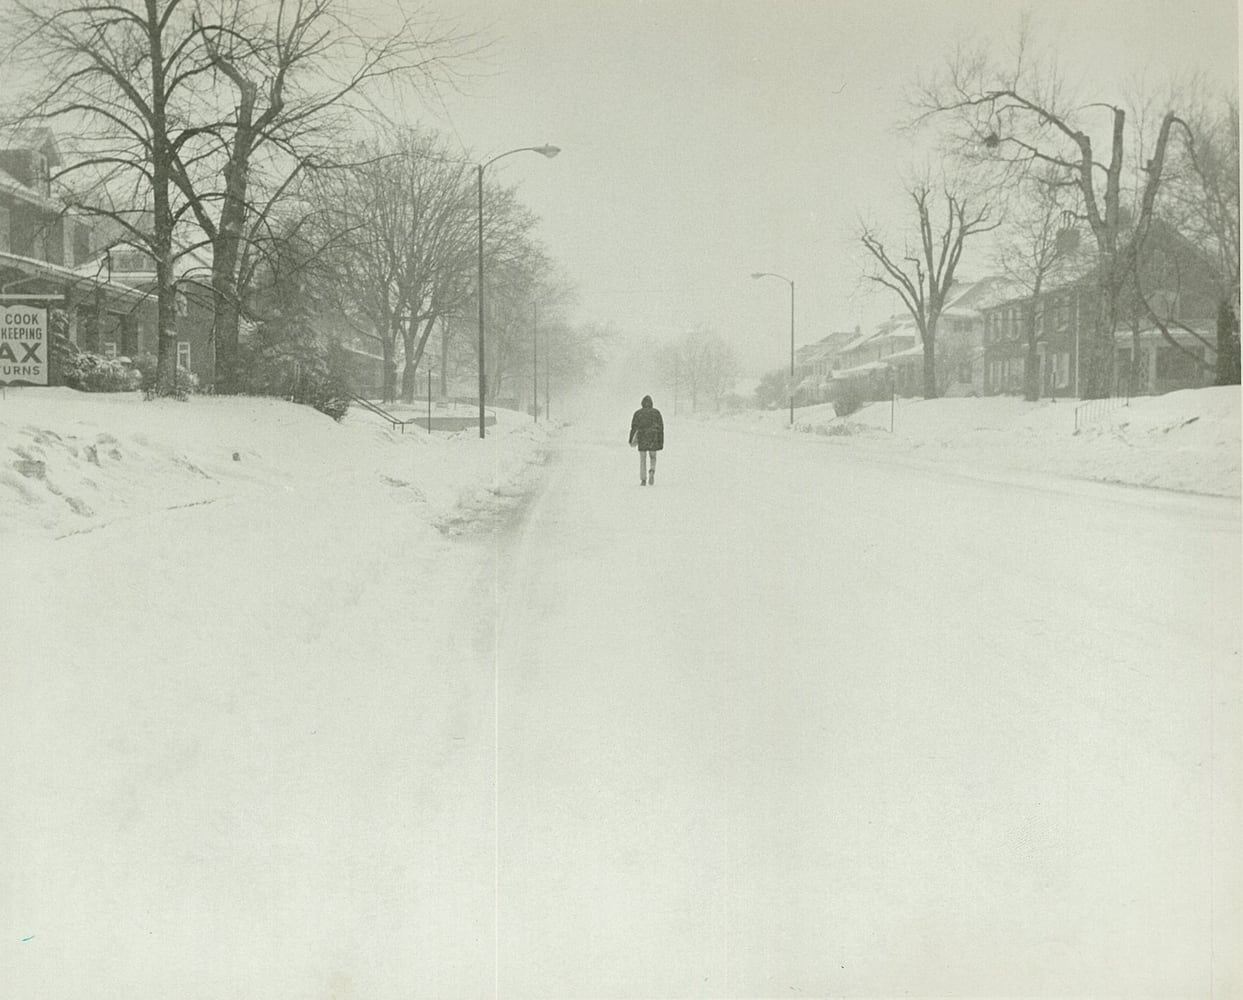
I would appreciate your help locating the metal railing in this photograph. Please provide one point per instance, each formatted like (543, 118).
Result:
(1093, 409)
(394, 422)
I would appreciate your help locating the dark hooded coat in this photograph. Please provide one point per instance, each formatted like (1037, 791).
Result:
(647, 429)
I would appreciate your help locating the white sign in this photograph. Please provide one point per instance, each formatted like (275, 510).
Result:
(23, 345)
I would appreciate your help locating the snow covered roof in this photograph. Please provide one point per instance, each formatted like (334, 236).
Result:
(864, 369)
(38, 138)
(59, 274)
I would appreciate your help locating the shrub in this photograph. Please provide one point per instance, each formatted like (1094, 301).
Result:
(62, 353)
(89, 372)
(847, 398)
(184, 382)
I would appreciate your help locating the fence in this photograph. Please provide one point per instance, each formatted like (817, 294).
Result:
(1094, 409)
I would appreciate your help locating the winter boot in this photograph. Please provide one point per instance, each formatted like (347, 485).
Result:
(651, 478)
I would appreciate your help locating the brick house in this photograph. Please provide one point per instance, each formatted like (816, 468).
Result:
(46, 251)
(1178, 284)
(126, 267)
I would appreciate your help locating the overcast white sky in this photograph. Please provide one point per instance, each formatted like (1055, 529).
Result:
(707, 139)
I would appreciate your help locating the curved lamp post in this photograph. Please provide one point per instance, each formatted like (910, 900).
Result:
(548, 151)
(769, 274)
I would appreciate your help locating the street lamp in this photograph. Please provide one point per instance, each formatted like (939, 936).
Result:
(548, 151)
(769, 274)
(535, 360)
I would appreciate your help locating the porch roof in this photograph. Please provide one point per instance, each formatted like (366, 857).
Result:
(58, 276)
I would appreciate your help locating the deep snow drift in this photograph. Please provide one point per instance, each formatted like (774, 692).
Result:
(75, 461)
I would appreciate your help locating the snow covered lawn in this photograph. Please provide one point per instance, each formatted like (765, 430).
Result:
(74, 461)
(1187, 441)
(239, 681)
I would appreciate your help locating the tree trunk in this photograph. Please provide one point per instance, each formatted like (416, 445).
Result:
(1031, 369)
(930, 364)
(1227, 343)
(411, 366)
(225, 294)
(162, 236)
(1099, 359)
(388, 345)
(414, 358)
(166, 300)
(444, 358)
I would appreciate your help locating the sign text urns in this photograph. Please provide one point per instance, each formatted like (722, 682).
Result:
(23, 345)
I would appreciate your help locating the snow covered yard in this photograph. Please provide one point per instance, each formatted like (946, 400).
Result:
(241, 650)
(1187, 441)
(77, 461)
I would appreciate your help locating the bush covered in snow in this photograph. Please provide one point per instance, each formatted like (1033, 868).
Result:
(89, 372)
(185, 382)
(302, 372)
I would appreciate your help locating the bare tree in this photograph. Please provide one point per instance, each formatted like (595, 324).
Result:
(122, 80)
(518, 273)
(1037, 242)
(1018, 118)
(703, 364)
(923, 275)
(438, 257)
(174, 107)
(365, 206)
(296, 71)
(1201, 201)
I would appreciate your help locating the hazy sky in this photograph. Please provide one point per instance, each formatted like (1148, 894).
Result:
(707, 139)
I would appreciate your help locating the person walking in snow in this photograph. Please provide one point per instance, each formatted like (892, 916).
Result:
(647, 433)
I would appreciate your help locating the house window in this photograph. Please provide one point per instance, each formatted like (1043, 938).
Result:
(42, 176)
(110, 348)
(183, 354)
(1176, 365)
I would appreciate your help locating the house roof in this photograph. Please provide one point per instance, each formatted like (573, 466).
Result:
(12, 186)
(863, 369)
(824, 348)
(38, 138)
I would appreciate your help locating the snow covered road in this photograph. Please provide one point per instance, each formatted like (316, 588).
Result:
(799, 720)
(792, 723)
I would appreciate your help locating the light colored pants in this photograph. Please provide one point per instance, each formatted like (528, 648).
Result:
(643, 464)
